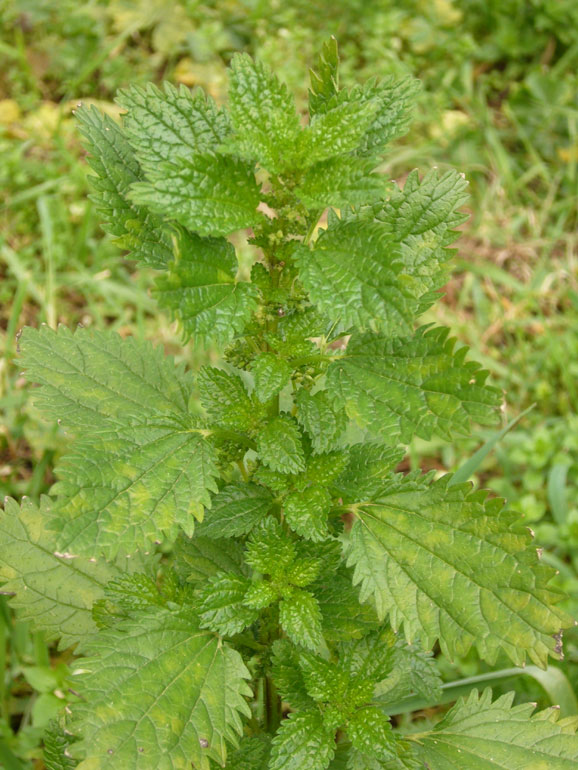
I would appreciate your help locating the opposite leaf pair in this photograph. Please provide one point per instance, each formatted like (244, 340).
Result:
(264, 634)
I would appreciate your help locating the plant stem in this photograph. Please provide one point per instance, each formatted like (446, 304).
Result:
(272, 705)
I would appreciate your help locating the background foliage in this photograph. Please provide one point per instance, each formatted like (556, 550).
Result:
(498, 103)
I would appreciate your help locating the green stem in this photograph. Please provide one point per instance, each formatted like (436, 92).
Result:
(312, 227)
(244, 474)
(273, 706)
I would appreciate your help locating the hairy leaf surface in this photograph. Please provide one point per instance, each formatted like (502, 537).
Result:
(210, 194)
(449, 564)
(420, 385)
(263, 115)
(235, 511)
(201, 291)
(140, 466)
(115, 168)
(159, 693)
(477, 733)
(279, 446)
(53, 591)
(302, 741)
(164, 124)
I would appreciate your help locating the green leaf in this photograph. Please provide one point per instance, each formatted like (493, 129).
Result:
(221, 605)
(134, 592)
(57, 744)
(343, 617)
(380, 274)
(340, 182)
(396, 100)
(166, 124)
(263, 115)
(370, 658)
(300, 618)
(269, 549)
(316, 415)
(200, 289)
(252, 754)
(423, 206)
(200, 558)
(338, 130)
(226, 400)
(324, 78)
(271, 374)
(321, 469)
(477, 733)
(302, 742)
(159, 692)
(307, 512)
(401, 387)
(209, 194)
(369, 731)
(413, 672)
(52, 590)
(449, 564)
(288, 676)
(323, 680)
(235, 511)
(279, 445)
(369, 464)
(260, 595)
(112, 159)
(140, 466)
(354, 273)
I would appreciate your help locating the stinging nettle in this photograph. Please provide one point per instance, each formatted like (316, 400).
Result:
(301, 580)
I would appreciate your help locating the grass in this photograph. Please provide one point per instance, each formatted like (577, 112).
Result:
(499, 103)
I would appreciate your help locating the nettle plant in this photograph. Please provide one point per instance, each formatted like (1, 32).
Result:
(300, 579)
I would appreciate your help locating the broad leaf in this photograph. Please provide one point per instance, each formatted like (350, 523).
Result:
(252, 754)
(221, 607)
(302, 741)
(380, 273)
(369, 731)
(340, 182)
(159, 692)
(354, 273)
(170, 123)
(51, 589)
(338, 130)
(112, 159)
(300, 618)
(56, 754)
(279, 446)
(209, 194)
(478, 734)
(423, 206)
(414, 672)
(269, 549)
(307, 512)
(271, 374)
(141, 466)
(263, 115)
(449, 564)
(343, 617)
(324, 425)
(235, 511)
(369, 464)
(288, 676)
(201, 291)
(226, 400)
(199, 558)
(401, 387)
(396, 101)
